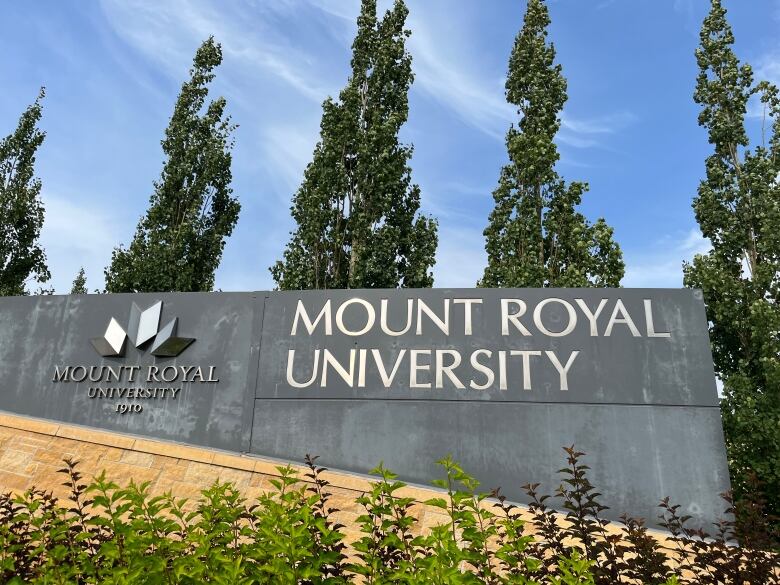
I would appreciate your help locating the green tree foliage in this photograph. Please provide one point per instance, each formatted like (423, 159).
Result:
(291, 535)
(357, 208)
(79, 283)
(738, 209)
(178, 244)
(535, 236)
(21, 209)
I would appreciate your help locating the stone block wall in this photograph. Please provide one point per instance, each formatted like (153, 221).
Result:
(32, 450)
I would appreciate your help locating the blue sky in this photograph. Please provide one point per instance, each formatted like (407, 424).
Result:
(113, 68)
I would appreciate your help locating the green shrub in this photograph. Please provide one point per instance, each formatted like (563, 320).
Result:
(124, 535)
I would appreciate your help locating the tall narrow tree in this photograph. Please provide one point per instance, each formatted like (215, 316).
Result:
(357, 209)
(21, 211)
(79, 286)
(535, 235)
(178, 244)
(738, 209)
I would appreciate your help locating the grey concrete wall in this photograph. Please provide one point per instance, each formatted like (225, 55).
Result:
(638, 455)
(616, 369)
(38, 334)
(640, 401)
(643, 408)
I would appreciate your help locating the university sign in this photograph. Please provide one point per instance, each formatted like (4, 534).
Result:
(500, 379)
(486, 368)
(128, 385)
(131, 383)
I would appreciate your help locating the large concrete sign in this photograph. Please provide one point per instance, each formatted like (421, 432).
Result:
(53, 364)
(500, 379)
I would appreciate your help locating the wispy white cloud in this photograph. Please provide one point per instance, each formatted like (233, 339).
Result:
(661, 266)
(684, 6)
(768, 67)
(442, 46)
(75, 234)
(607, 124)
(694, 243)
(346, 10)
(687, 10)
(460, 259)
(167, 33)
(287, 150)
(445, 73)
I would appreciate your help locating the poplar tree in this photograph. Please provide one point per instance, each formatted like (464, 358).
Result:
(738, 210)
(535, 236)
(356, 210)
(178, 244)
(21, 210)
(79, 286)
